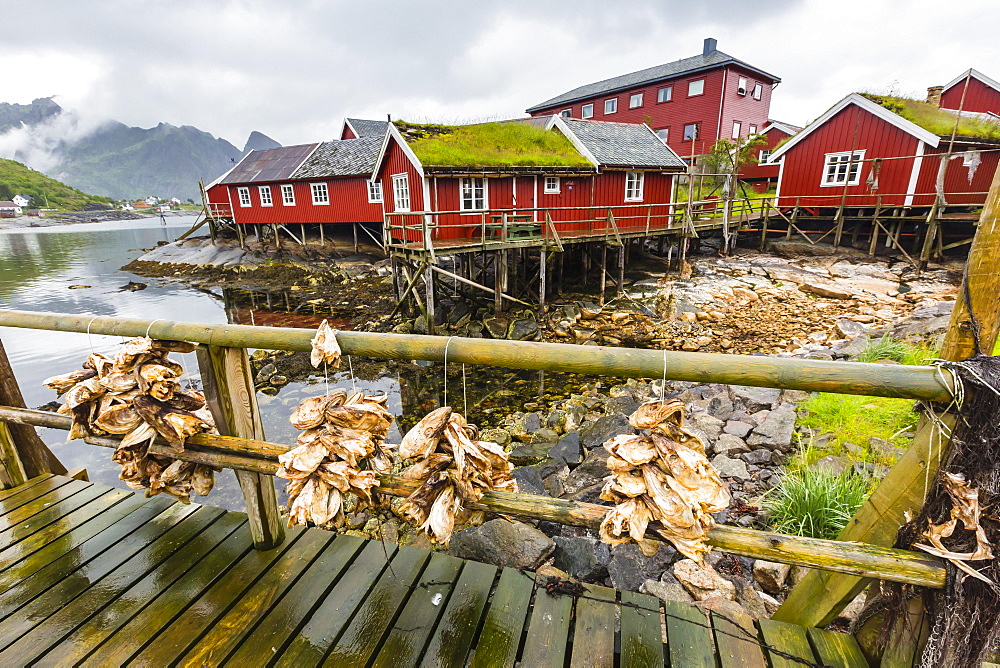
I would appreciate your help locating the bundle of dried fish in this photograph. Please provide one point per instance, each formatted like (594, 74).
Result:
(341, 450)
(325, 347)
(137, 394)
(454, 469)
(662, 481)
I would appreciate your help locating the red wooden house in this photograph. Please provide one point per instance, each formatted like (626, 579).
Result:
(762, 173)
(690, 103)
(982, 94)
(868, 147)
(461, 176)
(327, 182)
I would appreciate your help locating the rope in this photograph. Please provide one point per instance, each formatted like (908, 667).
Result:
(350, 367)
(663, 382)
(447, 343)
(153, 322)
(91, 340)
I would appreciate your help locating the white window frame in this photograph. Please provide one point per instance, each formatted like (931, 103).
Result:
(758, 90)
(401, 192)
(751, 130)
(587, 111)
(634, 184)
(635, 100)
(374, 191)
(696, 87)
(288, 195)
(835, 169)
(265, 195)
(763, 156)
(552, 185)
(611, 106)
(737, 129)
(320, 194)
(243, 193)
(741, 86)
(566, 113)
(663, 134)
(697, 131)
(469, 198)
(665, 94)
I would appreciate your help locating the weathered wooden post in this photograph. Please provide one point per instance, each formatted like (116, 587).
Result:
(23, 454)
(227, 378)
(819, 597)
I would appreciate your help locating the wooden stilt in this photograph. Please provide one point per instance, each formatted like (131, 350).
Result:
(543, 261)
(429, 296)
(354, 228)
(227, 378)
(767, 219)
(873, 242)
(322, 240)
(302, 231)
(559, 283)
(621, 269)
(604, 272)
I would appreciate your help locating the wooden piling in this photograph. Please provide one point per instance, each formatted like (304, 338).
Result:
(429, 295)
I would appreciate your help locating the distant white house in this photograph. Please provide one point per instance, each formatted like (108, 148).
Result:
(126, 206)
(21, 200)
(152, 201)
(174, 200)
(9, 210)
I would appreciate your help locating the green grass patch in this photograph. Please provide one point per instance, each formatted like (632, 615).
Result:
(45, 192)
(936, 120)
(815, 503)
(853, 419)
(490, 145)
(888, 348)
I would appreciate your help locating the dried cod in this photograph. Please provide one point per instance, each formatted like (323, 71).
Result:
(325, 347)
(454, 468)
(137, 394)
(662, 482)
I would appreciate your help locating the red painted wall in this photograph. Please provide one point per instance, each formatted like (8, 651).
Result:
(348, 203)
(757, 172)
(959, 188)
(979, 97)
(851, 129)
(681, 110)
(394, 162)
(348, 133)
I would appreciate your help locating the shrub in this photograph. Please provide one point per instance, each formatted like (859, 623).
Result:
(888, 348)
(814, 503)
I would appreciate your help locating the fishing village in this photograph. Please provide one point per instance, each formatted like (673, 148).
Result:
(637, 376)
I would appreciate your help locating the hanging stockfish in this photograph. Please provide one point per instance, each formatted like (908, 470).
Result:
(454, 468)
(325, 347)
(662, 482)
(137, 394)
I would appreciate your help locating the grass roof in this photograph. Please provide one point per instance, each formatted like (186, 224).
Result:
(490, 145)
(939, 121)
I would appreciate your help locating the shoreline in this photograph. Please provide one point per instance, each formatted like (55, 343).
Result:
(82, 218)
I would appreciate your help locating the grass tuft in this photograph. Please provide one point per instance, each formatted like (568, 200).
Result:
(490, 144)
(936, 120)
(814, 503)
(888, 348)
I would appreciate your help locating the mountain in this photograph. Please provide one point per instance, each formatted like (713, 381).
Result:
(17, 179)
(120, 161)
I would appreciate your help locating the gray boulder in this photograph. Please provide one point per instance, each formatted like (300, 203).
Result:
(584, 558)
(731, 468)
(568, 448)
(737, 428)
(776, 429)
(591, 471)
(757, 398)
(600, 430)
(528, 480)
(503, 543)
(629, 567)
(729, 445)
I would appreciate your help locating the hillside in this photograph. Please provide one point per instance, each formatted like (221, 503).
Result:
(16, 179)
(13, 115)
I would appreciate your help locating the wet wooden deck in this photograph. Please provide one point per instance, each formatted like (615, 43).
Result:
(101, 576)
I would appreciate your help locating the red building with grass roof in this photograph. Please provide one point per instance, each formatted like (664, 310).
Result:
(870, 149)
(462, 178)
(981, 94)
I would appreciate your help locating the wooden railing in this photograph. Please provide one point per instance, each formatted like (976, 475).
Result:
(226, 378)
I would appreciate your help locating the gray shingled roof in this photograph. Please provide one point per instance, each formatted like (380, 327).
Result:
(624, 144)
(366, 128)
(649, 75)
(348, 157)
(273, 164)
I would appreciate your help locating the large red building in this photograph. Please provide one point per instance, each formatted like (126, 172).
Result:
(982, 94)
(868, 149)
(690, 103)
(550, 163)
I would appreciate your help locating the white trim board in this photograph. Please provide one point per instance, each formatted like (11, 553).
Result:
(923, 135)
(976, 74)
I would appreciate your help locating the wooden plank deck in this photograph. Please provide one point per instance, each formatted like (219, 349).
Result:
(94, 575)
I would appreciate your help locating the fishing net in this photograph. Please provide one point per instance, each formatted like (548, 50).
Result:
(959, 523)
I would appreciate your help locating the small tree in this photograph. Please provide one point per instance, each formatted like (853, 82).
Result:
(729, 156)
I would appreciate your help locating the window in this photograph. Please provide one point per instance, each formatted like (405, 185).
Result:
(752, 130)
(551, 185)
(665, 94)
(696, 87)
(244, 194)
(374, 191)
(611, 106)
(320, 194)
(635, 101)
(737, 126)
(587, 111)
(741, 87)
(633, 186)
(764, 156)
(842, 169)
(473, 192)
(288, 195)
(401, 192)
(663, 134)
(566, 113)
(691, 131)
(265, 195)
(757, 90)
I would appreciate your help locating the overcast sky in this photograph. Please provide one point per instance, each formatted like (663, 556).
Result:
(294, 69)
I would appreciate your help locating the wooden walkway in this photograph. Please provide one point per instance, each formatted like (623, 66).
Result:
(101, 576)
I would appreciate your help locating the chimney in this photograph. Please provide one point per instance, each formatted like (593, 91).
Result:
(710, 43)
(934, 95)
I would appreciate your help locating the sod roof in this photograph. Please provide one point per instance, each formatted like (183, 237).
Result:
(939, 121)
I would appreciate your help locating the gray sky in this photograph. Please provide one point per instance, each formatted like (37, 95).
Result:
(294, 69)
